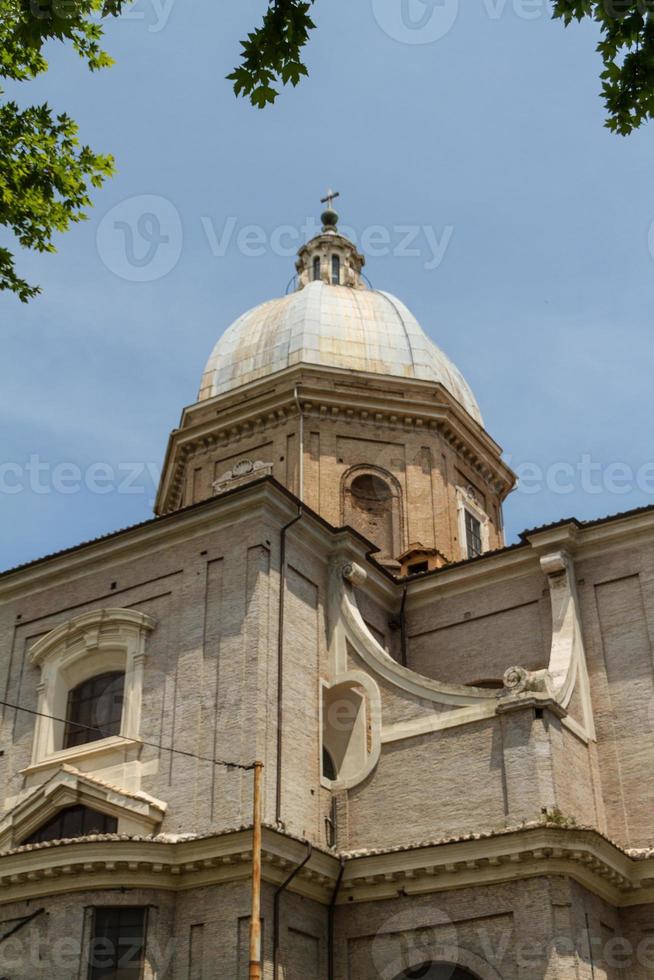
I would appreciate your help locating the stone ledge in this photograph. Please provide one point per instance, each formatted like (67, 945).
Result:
(540, 849)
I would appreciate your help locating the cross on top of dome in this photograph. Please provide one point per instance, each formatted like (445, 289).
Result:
(329, 217)
(330, 257)
(330, 197)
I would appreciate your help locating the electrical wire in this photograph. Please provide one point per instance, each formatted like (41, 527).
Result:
(155, 745)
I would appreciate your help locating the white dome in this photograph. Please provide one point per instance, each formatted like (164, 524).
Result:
(331, 326)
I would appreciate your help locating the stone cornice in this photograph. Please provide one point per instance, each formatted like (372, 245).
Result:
(584, 541)
(328, 394)
(102, 861)
(544, 849)
(513, 562)
(615, 532)
(530, 851)
(230, 508)
(141, 539)
(264, 494)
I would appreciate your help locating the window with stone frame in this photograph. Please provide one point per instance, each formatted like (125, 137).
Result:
(474, 543)
(336, 270)
(117, 945)
(474, 526)
(316, 268)
(90, 688)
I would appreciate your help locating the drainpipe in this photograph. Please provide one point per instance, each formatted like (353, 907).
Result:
(301, 435)
(330, 922)
(255, 971)
(404, 639)
(280, 663)
(278, 895)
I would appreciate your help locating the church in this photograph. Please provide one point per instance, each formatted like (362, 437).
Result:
(453, 736)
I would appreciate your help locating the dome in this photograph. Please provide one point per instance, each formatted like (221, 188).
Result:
(336, 326)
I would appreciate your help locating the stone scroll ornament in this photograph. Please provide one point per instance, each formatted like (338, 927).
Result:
(518, 680)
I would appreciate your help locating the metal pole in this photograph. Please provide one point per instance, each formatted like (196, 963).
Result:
(255, 916)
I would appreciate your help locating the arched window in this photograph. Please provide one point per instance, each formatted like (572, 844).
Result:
(316, 267)
(74, 821)
(93, 644)
(336, 270)
(372, 506)
(95, 709)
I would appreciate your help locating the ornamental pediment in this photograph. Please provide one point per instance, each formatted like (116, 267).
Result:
(137, 813)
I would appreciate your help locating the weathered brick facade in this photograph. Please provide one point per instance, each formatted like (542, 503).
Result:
(457, 764)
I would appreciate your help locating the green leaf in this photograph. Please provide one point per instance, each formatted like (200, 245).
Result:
(272, 54)
(626, 48)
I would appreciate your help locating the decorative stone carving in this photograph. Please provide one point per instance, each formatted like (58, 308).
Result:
(244, 466)
(242, 472)
(471, 493)
(354, 573)
(518, 680)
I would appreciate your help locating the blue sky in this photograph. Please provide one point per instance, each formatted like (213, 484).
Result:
(490, 137)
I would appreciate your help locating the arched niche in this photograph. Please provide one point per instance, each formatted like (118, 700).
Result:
(344, 732)
(372, 504)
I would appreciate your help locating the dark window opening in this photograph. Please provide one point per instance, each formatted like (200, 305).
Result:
(473, 535)
(328, 766)
(74, 821)
(316, 267)
(418, 566)
(117, 947)
(336, 270)
(95, 709)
